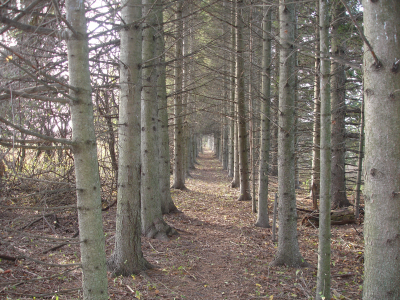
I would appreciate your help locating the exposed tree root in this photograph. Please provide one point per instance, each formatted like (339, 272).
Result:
(160, 230)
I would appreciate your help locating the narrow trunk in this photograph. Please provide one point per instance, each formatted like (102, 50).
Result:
(179, 181)
(242, 131)
(315, 175)
(263, 216)
(167, 205)
(324, 237)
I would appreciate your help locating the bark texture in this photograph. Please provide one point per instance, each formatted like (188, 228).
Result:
(127, 257)
(153, 225)
(315, 175)
(338, 93)
(91, 236)
(324, 234)
(167, 205)
(242, 131)
(263, 216)
(288, 248)
(179, 151)
(382, 150)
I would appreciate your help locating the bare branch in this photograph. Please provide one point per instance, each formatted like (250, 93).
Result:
(41, 136)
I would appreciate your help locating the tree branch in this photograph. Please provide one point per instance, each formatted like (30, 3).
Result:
(41, 136)
(378, 64)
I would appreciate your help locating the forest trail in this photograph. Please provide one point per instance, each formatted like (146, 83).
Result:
(219, 253)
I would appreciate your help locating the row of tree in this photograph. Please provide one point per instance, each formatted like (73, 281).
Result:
(260, 75)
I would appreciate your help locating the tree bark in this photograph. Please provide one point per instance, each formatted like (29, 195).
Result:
(324, 234)
(127, 257)
(382, 150)
(315, 175)
(179, 180)
(338, 93)
(153, 225)
(91, 236)
(167, 205)
(242, 131)
(263, 216)
(288, 248)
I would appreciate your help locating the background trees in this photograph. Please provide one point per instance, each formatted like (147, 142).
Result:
(381, 84)
(202, 50)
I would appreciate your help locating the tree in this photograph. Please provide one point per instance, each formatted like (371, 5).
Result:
(338, 93)
(233, 133)
(288, 248)
(167, 205)
(153, 225)
(179, 141)
(91, 236)
(315, 164)
(127, 257)
(263, 217)
(242, 130)
(324, 246)
(382, 144)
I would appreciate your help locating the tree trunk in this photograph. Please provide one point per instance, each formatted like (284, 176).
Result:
(167, 205)
(338, 93)
(91, 235)
(324, 236)
(127, 257)
(242, 131)
(315, 175)
(153, 225)
(179, 180)
(233, 129)
(288, 248)
(263, 216)
(382, 145)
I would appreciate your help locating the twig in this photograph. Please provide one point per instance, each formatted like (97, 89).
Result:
(312, 224)
(69, 143)
(21, 256)
(37, 220)
(377, 64)
(155, 249)
(37, 207)
(109, 206)
(45, 295)
(60, 245)
(129, 288)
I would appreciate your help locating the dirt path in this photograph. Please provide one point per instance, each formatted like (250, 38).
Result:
(219, 253)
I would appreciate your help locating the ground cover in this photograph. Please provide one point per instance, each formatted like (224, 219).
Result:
(219, 253)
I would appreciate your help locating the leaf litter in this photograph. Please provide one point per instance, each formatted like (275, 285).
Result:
(218, 254)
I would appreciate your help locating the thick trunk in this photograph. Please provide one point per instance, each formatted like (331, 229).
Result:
(263, 216)
(382, 150)
(153, 225)
(127, 257)
(338, 92)
(91, 236)
(288, 248)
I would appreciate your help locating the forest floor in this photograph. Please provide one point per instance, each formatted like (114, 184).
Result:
(218, 254)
